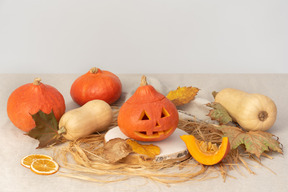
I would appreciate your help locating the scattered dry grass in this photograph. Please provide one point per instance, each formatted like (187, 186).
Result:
(81, 159)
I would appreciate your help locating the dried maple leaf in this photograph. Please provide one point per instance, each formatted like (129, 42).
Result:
(46, 129)
(149, 150)
(256, 142)
(115, 150)
(219, 113)
(182, 95)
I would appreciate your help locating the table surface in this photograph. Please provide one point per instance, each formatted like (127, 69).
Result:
(14, 144)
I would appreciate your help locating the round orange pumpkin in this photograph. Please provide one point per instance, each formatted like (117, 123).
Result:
(96, 84)
(28, 99)
(148, 115)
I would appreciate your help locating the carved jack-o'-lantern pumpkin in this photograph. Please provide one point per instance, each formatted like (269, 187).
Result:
(148, 115)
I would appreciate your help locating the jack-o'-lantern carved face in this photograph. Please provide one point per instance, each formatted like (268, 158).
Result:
(148, 115)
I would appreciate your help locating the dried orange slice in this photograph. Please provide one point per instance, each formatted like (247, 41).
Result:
(44, 166)
(27, 160)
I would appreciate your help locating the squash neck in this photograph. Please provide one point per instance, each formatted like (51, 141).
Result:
(263, 115)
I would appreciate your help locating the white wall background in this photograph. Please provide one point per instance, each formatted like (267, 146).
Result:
(147, 36)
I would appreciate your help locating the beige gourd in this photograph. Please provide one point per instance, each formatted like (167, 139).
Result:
(251, 111)
(94, 116)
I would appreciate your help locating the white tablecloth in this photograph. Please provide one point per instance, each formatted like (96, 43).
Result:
(14, 144)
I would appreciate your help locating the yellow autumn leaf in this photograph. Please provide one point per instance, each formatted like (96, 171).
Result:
(182, 95)
(149, 150)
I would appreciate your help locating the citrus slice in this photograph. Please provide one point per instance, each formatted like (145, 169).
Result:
(27, 160)
(44, 166)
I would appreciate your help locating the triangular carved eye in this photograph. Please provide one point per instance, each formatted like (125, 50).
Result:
(164, 113)
(144, 116)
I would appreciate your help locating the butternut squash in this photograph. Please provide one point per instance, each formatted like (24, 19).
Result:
(94, 116)
(251, 111)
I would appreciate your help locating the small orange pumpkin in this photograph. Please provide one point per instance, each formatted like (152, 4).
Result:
(148, 115)
(206, 153)
(28, 99)
(96, 84)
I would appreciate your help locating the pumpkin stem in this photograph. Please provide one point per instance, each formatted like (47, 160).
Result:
(93, 70)
(143, 81)
(214, 93)
(62, 130)
(263, 115)
(37, 81)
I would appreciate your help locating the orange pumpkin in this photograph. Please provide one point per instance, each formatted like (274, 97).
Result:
(96, 84)
(206, 153)
(148, 115)
(28, 99)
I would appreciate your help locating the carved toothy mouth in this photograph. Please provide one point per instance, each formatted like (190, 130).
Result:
(155, 134)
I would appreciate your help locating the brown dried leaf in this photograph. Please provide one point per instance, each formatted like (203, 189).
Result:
(149, 150)
(116, 149)
(182, 95)
(219, 113)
